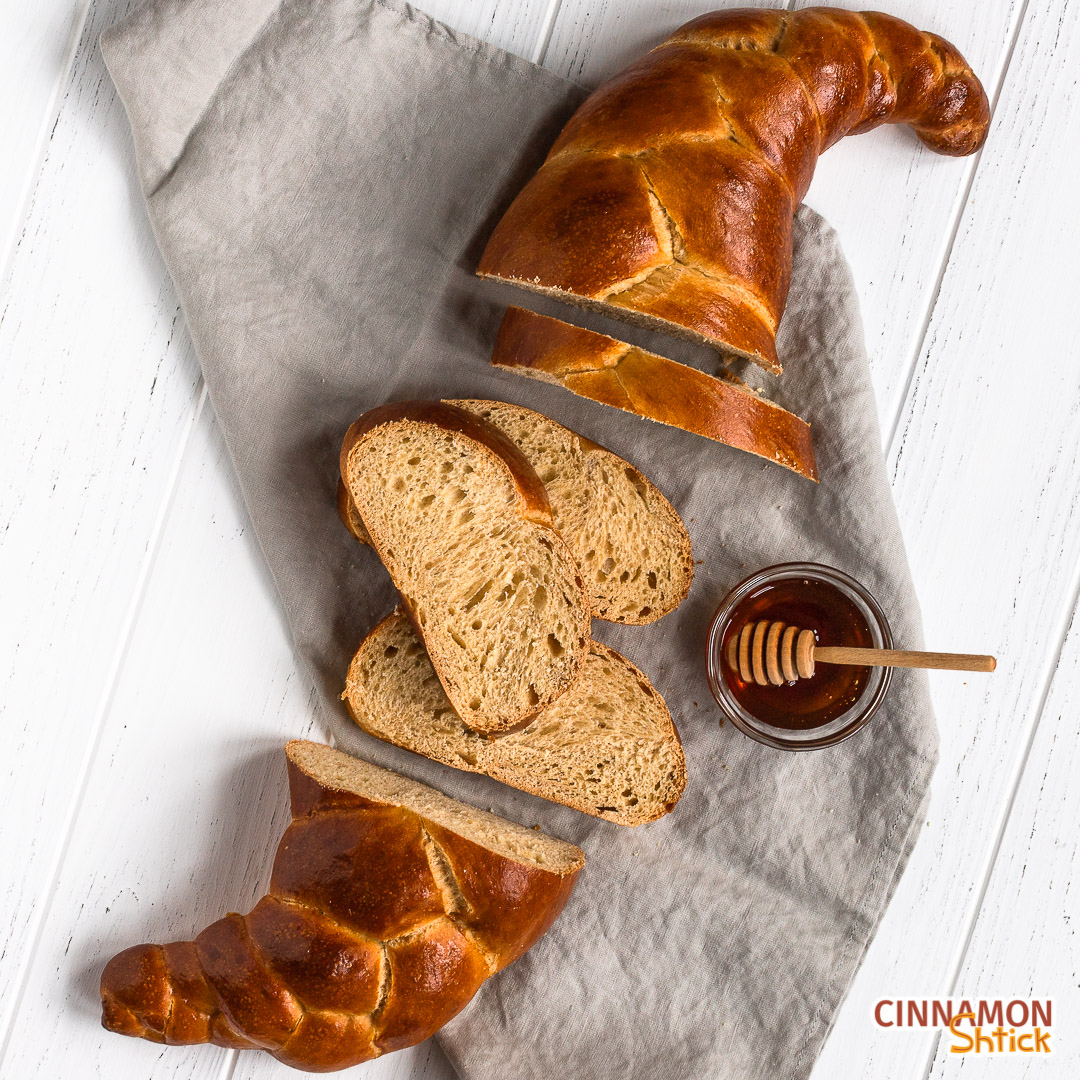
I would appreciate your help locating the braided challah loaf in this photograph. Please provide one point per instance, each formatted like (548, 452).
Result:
(668, 198)
(389, 905)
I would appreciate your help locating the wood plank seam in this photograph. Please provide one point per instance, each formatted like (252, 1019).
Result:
(100, 715)
(228, 1066)
(954, 230)
(547, 28)
(1071, 610)
(48, 125)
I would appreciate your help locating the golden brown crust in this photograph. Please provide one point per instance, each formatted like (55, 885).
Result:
(532, 497)
(356, 950)
(609, 371)
(669, 194)
(511, 905)
(433, 976)
(350, 516)
(329, 1041)
(592, 227)
(135, 993)
(255, 1002)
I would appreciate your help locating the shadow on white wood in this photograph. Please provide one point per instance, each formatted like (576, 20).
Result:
(519, 26)
(591, 40)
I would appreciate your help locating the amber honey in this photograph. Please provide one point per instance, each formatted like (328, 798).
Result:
(835, 620)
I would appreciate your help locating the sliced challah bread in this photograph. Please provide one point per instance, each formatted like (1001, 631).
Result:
(601, 368)
(389, 905)
(462, 523)
(631, 546)
(607, 747)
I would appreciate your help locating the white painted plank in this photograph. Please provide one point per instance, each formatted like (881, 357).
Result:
(987, 480)
(591, 40)
(96, 398)
(188, 798)
(99, 390)
(1024, 943)
(893, 201)
(35, 52)
(519, 26)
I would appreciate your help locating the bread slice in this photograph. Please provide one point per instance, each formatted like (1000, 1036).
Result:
(607, 747)
(631, 546)
(335, 771)
(462, 523)
(610, 371)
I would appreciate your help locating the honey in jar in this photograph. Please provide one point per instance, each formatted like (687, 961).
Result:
(834, 618)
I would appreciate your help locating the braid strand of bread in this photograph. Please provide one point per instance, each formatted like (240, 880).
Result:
(378, 927)
(668, 198)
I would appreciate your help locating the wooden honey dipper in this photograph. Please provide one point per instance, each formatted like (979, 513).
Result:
(767, 652)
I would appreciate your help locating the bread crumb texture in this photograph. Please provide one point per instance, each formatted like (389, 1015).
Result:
(496, 596)
(607, 747)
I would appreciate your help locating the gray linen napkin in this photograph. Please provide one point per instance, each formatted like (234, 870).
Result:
(321, 176)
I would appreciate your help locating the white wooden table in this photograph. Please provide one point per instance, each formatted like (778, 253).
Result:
(147, 681)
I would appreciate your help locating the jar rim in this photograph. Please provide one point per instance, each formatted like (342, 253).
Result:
(842, 727)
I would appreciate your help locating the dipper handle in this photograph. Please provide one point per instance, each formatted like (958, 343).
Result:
(948, 661)
(767, 652)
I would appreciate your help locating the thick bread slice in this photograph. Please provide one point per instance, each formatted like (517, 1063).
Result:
(462, 523)
(630, 544)
(610, 371)
(607, 747)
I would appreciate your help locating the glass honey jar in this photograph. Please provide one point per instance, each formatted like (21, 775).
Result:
(803, 714)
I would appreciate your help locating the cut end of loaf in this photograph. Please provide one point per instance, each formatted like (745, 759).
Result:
(762, 353)
(614, 373)
(337, 771)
